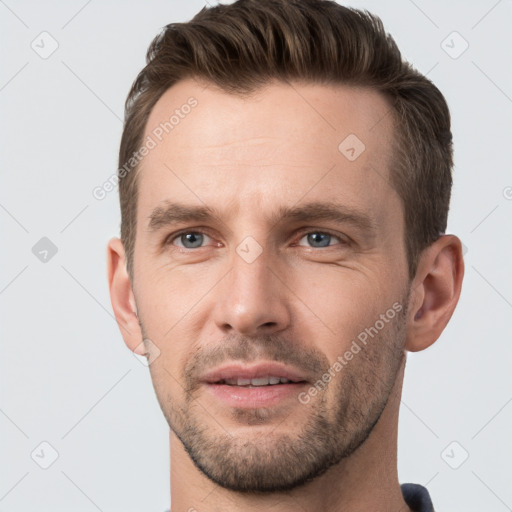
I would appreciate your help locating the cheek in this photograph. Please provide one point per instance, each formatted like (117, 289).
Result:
(169, 296)
(166, 307)
(338, 304)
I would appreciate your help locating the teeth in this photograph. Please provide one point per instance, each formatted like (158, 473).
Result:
(260, 381)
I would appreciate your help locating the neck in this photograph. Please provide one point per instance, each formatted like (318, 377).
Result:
(367, 480)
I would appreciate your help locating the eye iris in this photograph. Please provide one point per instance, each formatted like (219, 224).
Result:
(195, 239)
(323, 238)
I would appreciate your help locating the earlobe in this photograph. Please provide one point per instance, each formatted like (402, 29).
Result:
(122, 297)
(435, 292)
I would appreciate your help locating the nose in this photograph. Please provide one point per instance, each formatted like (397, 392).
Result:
(252, 299)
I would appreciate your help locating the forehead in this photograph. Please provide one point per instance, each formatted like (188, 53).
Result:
(277, 145)
(285, 110)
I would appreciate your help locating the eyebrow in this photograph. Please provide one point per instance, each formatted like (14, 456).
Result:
(171, 213)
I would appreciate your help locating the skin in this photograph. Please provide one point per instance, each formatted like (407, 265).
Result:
(299, 301)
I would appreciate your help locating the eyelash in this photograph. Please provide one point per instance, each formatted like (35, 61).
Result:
(169, 240)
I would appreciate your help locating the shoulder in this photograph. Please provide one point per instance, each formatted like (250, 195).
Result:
(417, 497)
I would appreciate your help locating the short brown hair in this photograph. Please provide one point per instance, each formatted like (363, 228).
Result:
(242, 46)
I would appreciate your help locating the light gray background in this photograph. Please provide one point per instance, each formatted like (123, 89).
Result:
(67, 377)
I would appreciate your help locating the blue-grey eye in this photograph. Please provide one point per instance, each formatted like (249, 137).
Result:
(190, 240)
(318, 239)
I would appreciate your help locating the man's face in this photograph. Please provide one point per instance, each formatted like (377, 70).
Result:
(271, 285)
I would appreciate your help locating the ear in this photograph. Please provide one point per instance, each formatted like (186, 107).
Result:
(122, 297)
(435, 292)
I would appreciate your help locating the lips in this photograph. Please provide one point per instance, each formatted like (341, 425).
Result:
(259, 385)
(262, 374)
(261, 381)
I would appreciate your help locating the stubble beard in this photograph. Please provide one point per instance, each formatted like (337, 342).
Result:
(339, 420)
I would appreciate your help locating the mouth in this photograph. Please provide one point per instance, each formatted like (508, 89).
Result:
(256, 382)
(261, 385)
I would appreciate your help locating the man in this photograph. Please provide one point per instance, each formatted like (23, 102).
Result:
(284, 184)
